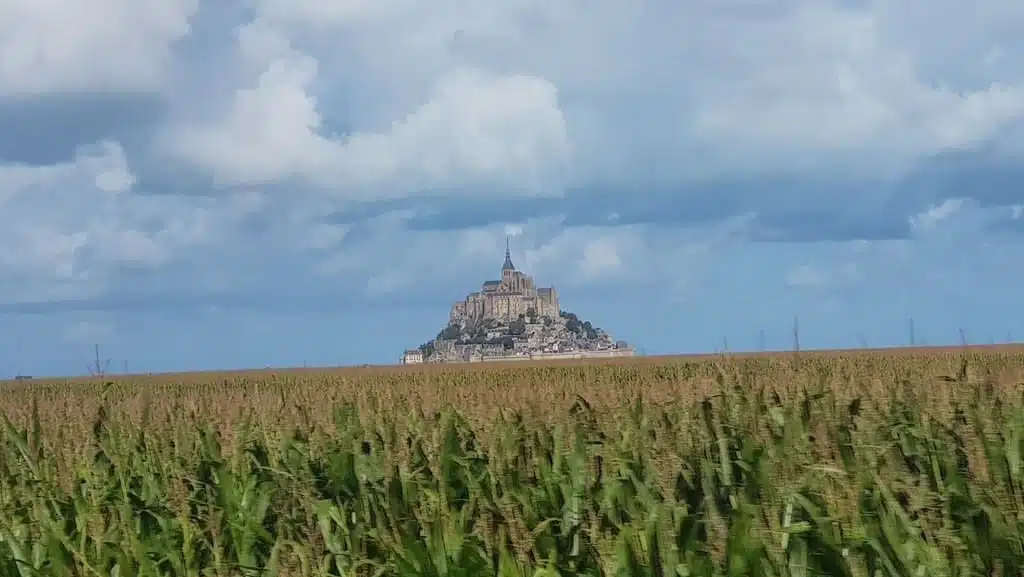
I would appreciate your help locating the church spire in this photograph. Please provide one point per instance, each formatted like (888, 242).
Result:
(508, 257)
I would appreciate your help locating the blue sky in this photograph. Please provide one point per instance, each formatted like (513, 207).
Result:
(278, 182)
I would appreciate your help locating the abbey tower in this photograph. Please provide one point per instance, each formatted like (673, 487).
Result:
(506, 299)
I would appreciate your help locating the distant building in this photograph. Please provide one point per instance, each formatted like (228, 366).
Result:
(482, 327)
(506, 299)
(412, 357)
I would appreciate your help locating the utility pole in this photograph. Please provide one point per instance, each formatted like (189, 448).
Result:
(98, 368)
(796, 343)
(796, 334)
(913, 336)
(760, 340)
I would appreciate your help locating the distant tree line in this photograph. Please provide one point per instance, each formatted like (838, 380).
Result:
(577, 327)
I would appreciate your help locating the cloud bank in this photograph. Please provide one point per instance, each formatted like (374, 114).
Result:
(203, 184)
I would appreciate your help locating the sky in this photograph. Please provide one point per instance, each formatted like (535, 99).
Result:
(199, 184)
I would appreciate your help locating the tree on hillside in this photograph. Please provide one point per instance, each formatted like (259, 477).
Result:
(517, 328)
(572, 324)
(449, 333)
(427, 349)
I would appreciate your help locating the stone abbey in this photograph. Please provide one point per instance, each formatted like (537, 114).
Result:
(506, 299)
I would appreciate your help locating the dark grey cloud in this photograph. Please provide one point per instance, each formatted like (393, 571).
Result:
(48, 129)
(280, 298)
(988, 176)
(787, 209)
(834, 226)
(1007, 224)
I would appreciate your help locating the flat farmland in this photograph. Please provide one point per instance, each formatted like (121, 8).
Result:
(918, 353)
(876, 462)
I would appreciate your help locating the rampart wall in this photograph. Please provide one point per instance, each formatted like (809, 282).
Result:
(612, 353)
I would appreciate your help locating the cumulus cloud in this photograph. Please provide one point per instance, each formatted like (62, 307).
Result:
(934, 215)
(371, 153)
(384, 258)
(826, 79)
(708, 86)
(67, 228)
(68, 46)
(475, 128)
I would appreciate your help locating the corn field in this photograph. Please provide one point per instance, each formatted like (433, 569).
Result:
(842, 465)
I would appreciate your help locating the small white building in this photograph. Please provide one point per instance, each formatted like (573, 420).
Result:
(412, 357)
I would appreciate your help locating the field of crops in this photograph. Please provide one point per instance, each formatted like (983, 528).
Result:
(858, 464)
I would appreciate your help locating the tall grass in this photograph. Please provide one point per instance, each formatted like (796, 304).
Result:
(846, 466)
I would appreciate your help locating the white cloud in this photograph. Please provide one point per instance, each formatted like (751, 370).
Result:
(931, 217)
(324, 236)
(70, 46)
(352, 101)
(600, 258)
(65, 228)
(585, 254)
(393, 260)
(700, 87)
(343, 12)
(825, 79)
(475, 129)
(269, 133)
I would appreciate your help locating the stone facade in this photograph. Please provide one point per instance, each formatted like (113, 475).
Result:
(412, 357)
(506, 299)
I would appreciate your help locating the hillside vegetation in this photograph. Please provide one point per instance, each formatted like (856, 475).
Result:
(843, 465)
(565, 332)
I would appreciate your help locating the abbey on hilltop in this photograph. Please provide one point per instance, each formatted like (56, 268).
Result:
(513, 296)
(513, 319)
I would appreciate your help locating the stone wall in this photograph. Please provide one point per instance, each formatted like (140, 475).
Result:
(567, 355)
(503, 306)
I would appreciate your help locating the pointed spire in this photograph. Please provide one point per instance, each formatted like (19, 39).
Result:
(508, 256)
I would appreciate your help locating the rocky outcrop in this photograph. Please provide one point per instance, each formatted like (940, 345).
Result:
(524, 337)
